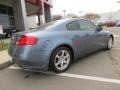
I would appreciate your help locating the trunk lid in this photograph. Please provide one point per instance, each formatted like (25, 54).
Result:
(17, 36)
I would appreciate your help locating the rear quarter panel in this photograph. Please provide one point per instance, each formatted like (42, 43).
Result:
(52, 40)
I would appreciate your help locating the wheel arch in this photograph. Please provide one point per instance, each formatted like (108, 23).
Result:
(64, 45)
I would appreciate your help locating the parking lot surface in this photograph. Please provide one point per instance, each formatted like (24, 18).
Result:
(98, 71)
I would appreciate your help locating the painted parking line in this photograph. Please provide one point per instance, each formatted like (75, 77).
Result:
(15, 67)
(115, 35)
(116, 48)
(100, 79)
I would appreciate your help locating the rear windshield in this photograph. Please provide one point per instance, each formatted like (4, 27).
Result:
(45, 26)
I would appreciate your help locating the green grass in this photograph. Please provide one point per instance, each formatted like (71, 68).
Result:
(5, 46)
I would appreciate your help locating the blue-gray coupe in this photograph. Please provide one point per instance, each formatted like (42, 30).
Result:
(55, 45)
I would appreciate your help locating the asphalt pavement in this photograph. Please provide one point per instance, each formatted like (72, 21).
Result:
(98, 71)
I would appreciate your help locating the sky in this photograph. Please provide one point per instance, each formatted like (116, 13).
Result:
(81, 7)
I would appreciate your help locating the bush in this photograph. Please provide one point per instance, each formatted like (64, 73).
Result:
(5, 46)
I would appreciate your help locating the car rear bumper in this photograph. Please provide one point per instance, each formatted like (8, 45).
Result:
(30, 58)
(30, 66)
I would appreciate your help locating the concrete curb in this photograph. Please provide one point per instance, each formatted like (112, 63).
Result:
(5, 64)
(5, 59)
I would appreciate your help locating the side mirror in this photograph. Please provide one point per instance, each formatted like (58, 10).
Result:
(99, 28)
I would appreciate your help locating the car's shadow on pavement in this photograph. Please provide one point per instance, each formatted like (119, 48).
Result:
(81, 59)
(91, 62)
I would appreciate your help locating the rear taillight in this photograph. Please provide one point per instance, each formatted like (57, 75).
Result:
(27, 40)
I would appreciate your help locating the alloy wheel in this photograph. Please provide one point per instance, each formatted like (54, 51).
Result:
(62, 59)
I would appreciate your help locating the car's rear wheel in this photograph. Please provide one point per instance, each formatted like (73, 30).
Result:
(110, 43)
(60, 59)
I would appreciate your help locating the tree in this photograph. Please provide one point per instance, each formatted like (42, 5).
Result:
(72, 15)
(56, 17)
(92, 17)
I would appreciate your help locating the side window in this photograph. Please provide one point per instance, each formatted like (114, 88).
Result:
(73, 26)
(86, 25)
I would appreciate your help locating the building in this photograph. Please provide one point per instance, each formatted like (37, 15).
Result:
(21, 14)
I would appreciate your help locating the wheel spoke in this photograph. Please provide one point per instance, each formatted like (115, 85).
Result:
(57, 56)
(62, 65)
(58, 63)
(67, 56)
(66, 61)
(63, 53)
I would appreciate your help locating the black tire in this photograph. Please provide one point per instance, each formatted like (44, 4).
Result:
(53, 67)
(110, 40)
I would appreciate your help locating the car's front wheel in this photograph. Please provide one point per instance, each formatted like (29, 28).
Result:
(60, 59)
(110, 43)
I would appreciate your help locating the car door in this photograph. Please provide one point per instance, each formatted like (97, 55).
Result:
(94, 39)
(79, 37)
